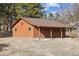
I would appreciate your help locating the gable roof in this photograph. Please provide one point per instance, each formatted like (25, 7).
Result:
(42, 22)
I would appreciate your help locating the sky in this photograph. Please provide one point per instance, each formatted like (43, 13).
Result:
(55, 7)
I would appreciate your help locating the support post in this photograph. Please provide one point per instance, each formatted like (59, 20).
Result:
(61, 33)
(70, 31)
(39, 33)
(51, 33)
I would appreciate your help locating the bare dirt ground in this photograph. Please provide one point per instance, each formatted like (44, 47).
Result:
(43, 47)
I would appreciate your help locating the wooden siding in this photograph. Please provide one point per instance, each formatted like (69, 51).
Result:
(46, 32)
(22, 29)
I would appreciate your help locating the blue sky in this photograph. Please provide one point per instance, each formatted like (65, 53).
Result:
(56, 7)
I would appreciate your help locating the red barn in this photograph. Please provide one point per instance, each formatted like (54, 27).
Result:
(31, 27)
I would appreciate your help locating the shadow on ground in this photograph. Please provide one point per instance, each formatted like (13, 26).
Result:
(2, 46)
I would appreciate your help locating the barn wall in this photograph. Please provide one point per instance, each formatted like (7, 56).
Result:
(56, 32)
(45, 32)
(21, 29)
(63, 30)
(35, 32)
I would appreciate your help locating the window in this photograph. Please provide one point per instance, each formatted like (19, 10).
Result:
(15, 29)
(29, 29)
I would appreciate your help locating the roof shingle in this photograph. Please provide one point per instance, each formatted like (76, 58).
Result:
(43, 22)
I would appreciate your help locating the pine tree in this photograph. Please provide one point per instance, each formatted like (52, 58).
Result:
(11, 11)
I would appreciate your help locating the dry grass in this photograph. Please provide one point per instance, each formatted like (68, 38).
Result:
(43, 47)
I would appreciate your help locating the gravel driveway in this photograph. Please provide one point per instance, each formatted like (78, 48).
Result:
(43, 47)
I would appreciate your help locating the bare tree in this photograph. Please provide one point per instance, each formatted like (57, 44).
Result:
(71, 16)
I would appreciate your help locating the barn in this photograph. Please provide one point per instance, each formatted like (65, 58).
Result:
(38, 28)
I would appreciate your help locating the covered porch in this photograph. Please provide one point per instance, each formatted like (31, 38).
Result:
(48, 32)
